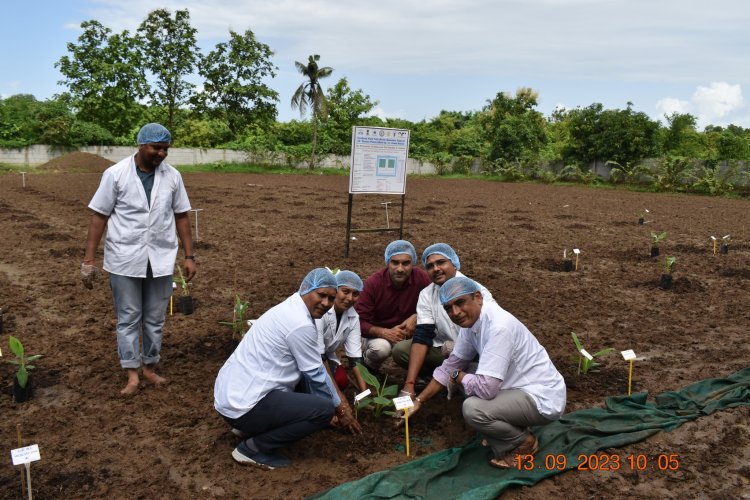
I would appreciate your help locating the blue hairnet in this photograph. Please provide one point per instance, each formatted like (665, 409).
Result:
(349, 279)
(317, 278)
(153, 132)
(400, 246)
(443, 249)
(455, 287)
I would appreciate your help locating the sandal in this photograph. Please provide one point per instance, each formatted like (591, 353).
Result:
(529, 447)
(502, 462)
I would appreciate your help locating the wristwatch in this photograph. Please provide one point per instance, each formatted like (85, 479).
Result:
(455, 374)
(191, 257)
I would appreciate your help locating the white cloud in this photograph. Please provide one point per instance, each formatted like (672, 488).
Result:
(383, 114)
(670, 105)
(717, 100)
(718, 103)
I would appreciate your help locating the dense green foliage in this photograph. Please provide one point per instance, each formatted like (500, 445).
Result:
(115, 82)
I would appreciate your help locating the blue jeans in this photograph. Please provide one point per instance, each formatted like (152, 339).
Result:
(141, 303)
(282, 418)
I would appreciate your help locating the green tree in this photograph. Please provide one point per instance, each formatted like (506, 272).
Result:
(346, 108)
(170, 53)
(104, 77)
(596, 134)
(680, 137)
(233, 88)
(19, 125)
(310, 94)
(731, 143)
(514, 130)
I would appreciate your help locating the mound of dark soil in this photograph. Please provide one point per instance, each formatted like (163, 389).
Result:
(77, 161)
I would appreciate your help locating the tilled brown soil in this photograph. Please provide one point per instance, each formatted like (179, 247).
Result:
(260, 234)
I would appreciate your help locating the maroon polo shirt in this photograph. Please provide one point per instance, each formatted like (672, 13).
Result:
(380, 304)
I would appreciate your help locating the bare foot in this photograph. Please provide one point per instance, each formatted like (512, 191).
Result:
(130, 389)
(133, 382)
(152, 377)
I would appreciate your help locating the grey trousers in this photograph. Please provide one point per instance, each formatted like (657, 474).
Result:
(141, 303)
(503, 421)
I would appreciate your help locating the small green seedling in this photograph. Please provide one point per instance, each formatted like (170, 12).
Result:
(642, 215)
(669, 263)
(182, 282)
(239, 323)
(383, 392)
(586, 363)
(725, 244)
(22, 361)
(657, 238)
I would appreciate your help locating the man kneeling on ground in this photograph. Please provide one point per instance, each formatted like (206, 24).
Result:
(254, 390)
(515, 385)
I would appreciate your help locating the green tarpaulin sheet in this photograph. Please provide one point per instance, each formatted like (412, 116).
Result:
(465, 473)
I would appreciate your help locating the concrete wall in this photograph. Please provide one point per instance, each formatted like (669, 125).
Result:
(39, 154)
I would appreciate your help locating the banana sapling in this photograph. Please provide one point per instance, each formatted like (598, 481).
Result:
(666, 277)
(185, 302)
(642, 216)
(567, 262)
(22, 381)
(586, 361)
(725, 244)
(383, 392)
(239, 324)
(656, 239)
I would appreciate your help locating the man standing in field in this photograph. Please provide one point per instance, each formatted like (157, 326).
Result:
(388, 303)
(142, 202)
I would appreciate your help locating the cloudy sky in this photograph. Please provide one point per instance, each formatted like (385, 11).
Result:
(417, 57)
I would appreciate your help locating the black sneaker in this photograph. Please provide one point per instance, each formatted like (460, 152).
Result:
(267, 461)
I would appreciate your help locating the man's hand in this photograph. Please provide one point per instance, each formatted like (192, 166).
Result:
(408, 390)
(401, 415)
(189, 265)
(392, 335)
(89, 273)
(346, 419)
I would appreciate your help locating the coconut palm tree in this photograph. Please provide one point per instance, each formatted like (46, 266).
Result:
(310, 94)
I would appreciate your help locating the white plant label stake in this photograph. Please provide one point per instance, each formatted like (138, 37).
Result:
(196, 210)
(404, 403)
(387, 222)
(629, 355)
(576, 251)
(24, 456)
(586, 354)
(361, 395)
(23, 179)
(714, 238)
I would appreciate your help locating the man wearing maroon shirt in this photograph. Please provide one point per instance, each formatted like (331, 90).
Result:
(388, 303)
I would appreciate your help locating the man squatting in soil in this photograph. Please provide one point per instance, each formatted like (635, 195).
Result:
(388, 303)
(515, 385)
(435, 334)
(142, 201)
(339, 327)
(273, 389)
